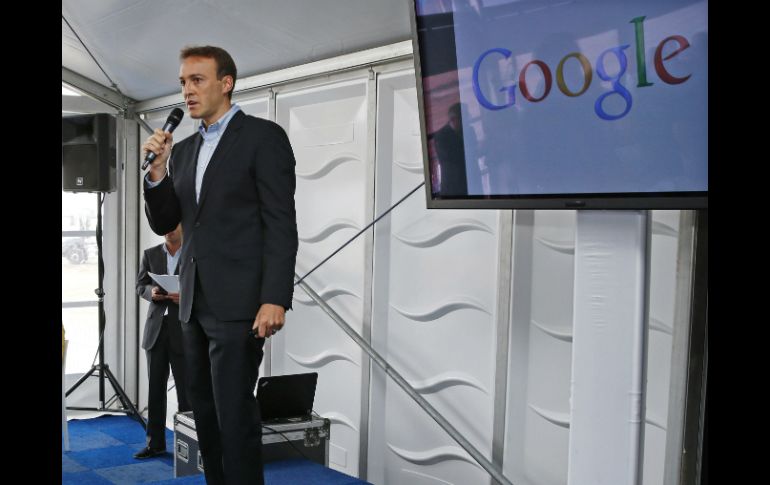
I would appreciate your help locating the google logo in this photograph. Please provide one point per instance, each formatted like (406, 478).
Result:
(601, 70)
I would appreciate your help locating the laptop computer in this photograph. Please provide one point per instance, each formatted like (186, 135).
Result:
(287, 398)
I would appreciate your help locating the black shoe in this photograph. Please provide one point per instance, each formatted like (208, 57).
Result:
(148, 452)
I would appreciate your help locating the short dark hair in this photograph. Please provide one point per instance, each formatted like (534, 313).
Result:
(225, 63)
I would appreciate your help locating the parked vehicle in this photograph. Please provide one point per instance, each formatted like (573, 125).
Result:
(74, 249)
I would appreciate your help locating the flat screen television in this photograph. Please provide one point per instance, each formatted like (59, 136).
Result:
(549, 104)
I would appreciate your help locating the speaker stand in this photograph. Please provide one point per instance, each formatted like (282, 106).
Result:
(102, 368)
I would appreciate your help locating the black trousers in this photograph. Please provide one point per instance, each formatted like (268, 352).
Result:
(158, 359)
(223, 364)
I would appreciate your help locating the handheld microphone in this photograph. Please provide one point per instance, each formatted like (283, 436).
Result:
(171, 123)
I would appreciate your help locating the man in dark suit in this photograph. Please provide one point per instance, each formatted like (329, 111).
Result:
(162, 339)
(231, 185)
(457, 176)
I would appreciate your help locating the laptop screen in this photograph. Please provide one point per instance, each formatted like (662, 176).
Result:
(286, 397)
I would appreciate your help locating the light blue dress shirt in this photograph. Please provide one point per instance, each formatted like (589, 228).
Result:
(211, 136)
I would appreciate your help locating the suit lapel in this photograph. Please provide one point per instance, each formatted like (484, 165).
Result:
(192, 169)
(160, 260)
(229, 137)
(160, 267)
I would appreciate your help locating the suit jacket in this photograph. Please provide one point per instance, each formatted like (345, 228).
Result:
(240, 238)
(154, 260)
(451, 157)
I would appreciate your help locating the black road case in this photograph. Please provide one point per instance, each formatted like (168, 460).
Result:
(309, 439)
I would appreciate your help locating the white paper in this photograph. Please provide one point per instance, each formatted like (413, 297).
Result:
(170, 283)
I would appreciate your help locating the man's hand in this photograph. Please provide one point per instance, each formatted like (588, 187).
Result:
(270, 319)
(174, 297)
(158, 294)
(160, 144)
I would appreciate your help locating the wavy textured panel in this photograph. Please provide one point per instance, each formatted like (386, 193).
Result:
(425, 476)
(340, 418)
(409, 167)
(660, 229)
(444, 380)
(659, 326)
(559, 419)
(654, 421)
(434, 455)
(326, 294)
(321, 359)
(332, 227)
(328, 166)
(463, 302)
(566, 336)
(566, 247)
(461, 226)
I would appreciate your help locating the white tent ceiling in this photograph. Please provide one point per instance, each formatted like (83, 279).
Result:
(137, 42)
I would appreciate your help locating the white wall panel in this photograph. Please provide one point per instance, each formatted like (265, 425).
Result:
(255, 107)
(434, 312)
(607, 355)
(327, 126)
(663, 267)
(540, 352)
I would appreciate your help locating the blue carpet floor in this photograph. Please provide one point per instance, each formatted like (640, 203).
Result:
(102, 453)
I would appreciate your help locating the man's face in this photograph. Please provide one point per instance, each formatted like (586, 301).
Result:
(204, 94)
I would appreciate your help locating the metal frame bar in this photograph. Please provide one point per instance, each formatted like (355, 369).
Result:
(504, 289)
(95, 90)
(372, 99)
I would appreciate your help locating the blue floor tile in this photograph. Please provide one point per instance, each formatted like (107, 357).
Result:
(90, 439)
(83, 478)
(146, 471)
(68, 465)
(113, 456)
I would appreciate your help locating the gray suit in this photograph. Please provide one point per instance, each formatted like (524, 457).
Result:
(162, 342)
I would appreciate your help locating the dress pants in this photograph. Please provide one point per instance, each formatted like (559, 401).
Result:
(158, 359)
(223, 365)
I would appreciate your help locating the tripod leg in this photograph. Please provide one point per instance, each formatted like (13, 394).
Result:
(124, 398)
(81, 380)
(128, 406)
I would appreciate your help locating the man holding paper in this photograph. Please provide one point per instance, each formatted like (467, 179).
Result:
(162, 336)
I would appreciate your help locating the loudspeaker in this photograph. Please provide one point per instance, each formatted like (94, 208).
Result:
(88, 153)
